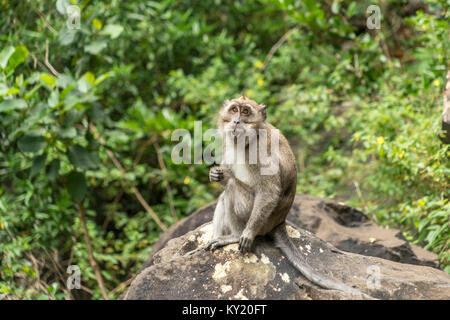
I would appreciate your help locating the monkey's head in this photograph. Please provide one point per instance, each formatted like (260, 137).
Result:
(241, 115)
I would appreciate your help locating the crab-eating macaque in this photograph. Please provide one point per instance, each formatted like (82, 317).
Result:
(256, 202)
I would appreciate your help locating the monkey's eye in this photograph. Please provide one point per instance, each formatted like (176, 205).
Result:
(245, 111)
(234, 109)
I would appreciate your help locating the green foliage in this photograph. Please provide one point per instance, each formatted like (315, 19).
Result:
(360, 107)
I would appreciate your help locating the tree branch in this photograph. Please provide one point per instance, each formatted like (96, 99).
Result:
(133, 188)
(166, 182)
(92, 261)
(276, 46)
(53, 70)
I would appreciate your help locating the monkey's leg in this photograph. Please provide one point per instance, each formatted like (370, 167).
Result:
(222, 232)
(220, 228)
(263, 206)
(219, 220)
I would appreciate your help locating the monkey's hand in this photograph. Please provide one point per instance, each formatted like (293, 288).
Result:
(246, 241)
(216, 174)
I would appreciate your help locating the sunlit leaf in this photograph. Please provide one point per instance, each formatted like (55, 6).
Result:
(48, 79)
(5, 54)
(95, 47)
(19, 56)
(97, 23)
(113, 30)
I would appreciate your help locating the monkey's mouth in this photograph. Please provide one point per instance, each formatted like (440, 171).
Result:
(236, 132)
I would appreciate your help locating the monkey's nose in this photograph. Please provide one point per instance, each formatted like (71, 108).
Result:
(237, 121)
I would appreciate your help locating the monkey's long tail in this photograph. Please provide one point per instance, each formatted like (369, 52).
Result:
(296, 258)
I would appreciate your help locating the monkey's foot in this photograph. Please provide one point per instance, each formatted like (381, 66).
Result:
(221, 241)
(245, 244)
(246, 240)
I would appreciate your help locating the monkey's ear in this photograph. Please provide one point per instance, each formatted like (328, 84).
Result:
(263, 112)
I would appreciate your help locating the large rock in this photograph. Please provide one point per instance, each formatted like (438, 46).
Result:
(344, 227)
(266, 274)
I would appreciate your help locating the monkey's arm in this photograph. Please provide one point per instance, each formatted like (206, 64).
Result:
(222, 175)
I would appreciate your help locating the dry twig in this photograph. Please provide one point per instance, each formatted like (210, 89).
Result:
(92, 261)
(133, 188)
(141, 150)
(276, 46)
(49, 27)
(56, 73)
(166, 182)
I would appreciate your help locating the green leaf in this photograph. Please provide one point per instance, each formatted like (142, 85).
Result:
(351, 10)
(79, 156)
(53, 100)
(48, 79)
(65, 82)
(85, 83)
(12, 104)
(67, 132)
(38, 164)
(66, 36)
(53, 169)
(421, 224)
(335, 7)
(61, 6)
(447, 269)
(432, 236)
(31, 143)
(5, 55)
(97, 23)
(18, 57)
(95, 47)
(96, 112)
(90, 77)
(112, 30)
(19, 80)
(101, 78)
(31, 93)
(12, 91)
(76, 185)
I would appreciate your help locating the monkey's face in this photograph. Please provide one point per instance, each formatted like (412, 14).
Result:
(241, 117)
